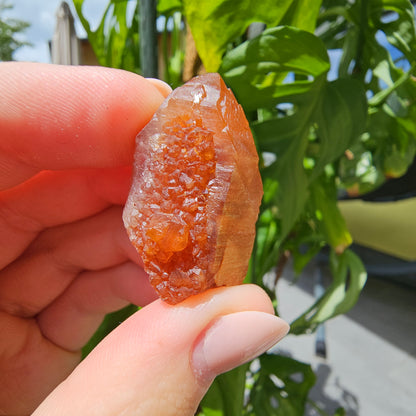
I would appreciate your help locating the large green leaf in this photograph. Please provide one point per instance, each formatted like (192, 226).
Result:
(335, 111)
(302, 14)
(349, 277)
(341, 118)
(271, 56)
(167, 7)
(226, 394)
(281, 387)
(216, 23)
(257, 69)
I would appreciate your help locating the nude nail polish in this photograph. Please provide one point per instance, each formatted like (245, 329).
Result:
(234, 339)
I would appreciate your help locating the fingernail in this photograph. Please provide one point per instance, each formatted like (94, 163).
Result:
(162, 86)
(235, 339)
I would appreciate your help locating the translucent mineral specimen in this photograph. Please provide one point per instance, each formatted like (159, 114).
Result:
(196, 191)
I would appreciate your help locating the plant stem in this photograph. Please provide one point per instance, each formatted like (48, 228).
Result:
(165, 51)
(358, 67)
(148, 38)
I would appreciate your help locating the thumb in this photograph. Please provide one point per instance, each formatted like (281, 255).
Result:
(162, 360)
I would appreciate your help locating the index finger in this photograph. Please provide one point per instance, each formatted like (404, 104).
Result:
(60, 117)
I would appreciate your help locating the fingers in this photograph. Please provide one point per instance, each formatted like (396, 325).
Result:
(163, 88)
(72, 319)
(60, 254)
(31, 366)
(162, 360)
(53, 198)
(61, 117)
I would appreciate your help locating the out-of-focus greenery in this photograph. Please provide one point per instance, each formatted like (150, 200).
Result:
(10, 29)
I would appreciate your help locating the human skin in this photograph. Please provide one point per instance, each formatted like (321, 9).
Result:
(66, 149)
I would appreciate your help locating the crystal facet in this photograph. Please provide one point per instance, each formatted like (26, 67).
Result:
(196, 191)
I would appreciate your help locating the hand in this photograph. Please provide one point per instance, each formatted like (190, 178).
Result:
(66, 148)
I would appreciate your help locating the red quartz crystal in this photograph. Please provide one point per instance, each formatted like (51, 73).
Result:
(196, 191)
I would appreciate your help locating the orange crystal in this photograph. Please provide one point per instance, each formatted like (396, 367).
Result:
(196, 191)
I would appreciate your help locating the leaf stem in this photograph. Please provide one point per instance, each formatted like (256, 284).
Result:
(381, 96)
(358, 67)
(165, 51)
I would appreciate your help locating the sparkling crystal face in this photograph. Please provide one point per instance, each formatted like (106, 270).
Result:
(196, 191)
(172, 228)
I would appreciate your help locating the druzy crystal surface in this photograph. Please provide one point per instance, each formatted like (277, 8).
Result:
(196, 191)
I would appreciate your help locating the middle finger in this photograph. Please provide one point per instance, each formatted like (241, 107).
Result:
(58, 255)
(52, 198)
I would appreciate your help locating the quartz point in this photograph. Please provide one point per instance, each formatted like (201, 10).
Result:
(196, 191)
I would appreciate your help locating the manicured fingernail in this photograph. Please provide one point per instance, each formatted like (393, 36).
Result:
(163, 88)
(235, 339)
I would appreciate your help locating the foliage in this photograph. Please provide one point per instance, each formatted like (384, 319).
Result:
(323, 126)
(116, 39)
(10, 29)
(277, 375)
(349, 278)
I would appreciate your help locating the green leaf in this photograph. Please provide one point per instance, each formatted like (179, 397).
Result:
(341, 118)
(338, 110)
(110, 322)
(331, 221)
(281, 387)
(216, 23)
(349, 277)
(271, 56)
(303, 14)
(335, 111)
(306, 240)
(267, 242)
(392, 131)
(383, 95)
(167, 7)
(115, 41)
(256, 70)
(210, 412)
(226, 394)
